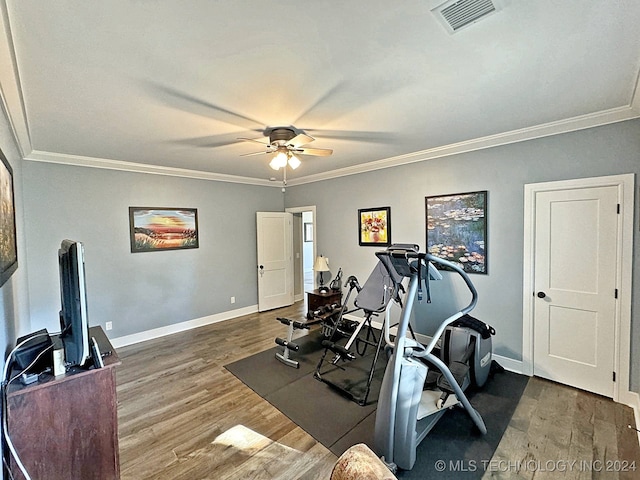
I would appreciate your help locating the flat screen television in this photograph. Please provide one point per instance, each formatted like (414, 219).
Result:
(74, 321)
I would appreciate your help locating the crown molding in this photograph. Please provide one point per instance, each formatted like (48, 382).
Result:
(81, 161)
(548, 129)
(11, 94)
(12, 101)
(581, 122)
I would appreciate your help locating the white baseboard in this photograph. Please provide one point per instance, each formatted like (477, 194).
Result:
(632, 399)
(509, 364)
(181, 327)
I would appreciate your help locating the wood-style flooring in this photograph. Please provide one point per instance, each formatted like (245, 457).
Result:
(182, 415)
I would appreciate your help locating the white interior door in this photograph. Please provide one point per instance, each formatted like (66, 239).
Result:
(575, 287)
(275, 259)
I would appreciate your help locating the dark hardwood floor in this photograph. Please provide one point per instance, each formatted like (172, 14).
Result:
(182, 415)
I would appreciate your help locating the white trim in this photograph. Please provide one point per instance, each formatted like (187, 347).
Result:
(107, 164)
(624, 262)
(312, 209)
(11, 93)
(181, 327)
(634, 402)
(573, 124)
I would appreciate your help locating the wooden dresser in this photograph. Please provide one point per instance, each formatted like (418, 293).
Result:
(67, 426)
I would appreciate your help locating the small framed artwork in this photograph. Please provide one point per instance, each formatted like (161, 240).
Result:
(374, 226)
(308, 232)
(8, 243)
(457, 229)
(154, 229)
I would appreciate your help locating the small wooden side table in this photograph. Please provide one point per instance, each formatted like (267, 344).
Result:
(316, 299)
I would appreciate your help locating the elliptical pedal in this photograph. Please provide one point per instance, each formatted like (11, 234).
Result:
(460, 372)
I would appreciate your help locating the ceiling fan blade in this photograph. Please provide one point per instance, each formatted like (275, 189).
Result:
(333, 91)
(207, 141)
(253, 140)
(318, 152)
(299, 140)
(356, 136)
(254, 153)
(192, 104)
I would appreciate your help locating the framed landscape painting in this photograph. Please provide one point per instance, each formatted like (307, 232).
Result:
(8, 244)
(374, 226)
(154, 229)
(457, 229)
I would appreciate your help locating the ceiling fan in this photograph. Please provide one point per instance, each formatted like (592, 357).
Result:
(285, 143)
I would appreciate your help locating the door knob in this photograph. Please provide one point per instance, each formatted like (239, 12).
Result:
(541, 294)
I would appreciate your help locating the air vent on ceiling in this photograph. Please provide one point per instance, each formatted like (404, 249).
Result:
(457, 14)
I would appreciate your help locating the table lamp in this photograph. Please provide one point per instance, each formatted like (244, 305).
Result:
(321, 265)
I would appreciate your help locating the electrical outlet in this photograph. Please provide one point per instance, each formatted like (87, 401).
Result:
(108, 325)
(233, 299)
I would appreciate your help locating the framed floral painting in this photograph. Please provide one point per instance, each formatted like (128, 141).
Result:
(374, 226)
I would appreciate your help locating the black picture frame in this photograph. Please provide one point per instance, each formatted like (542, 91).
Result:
(8, 239)
(456, 229)
(153, 229)
(374, 227)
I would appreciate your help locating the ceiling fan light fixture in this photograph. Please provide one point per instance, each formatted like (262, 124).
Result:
(278, 161)
(294, 162)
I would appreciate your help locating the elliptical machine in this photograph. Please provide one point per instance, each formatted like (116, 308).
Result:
(406, 412)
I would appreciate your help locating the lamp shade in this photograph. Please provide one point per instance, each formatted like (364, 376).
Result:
(294, 162)
(279, 160)
(321, 264)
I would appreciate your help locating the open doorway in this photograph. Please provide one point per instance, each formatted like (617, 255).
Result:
(304, 235)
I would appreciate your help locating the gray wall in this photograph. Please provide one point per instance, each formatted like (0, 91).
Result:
(140, 291)
(148, 290)
(503, 171)
(14, 307)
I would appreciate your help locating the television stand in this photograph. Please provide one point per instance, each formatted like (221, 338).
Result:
(67, 426)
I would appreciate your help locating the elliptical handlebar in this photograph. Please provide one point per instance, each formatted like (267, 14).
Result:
(400, 260)
(474, 300)
(465, 277)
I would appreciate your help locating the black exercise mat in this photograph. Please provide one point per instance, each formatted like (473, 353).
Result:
(453, 449)
(315, 406)
(352, 376)
(318, 409)
(265, 374)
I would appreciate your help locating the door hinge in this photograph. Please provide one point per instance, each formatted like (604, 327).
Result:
(614, 376)
(616, 293)
(618, 209)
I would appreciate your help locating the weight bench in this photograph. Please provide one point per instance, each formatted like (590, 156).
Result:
(288, 344)
(326, 315)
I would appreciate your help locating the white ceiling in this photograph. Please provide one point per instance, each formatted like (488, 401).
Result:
(168, 86)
